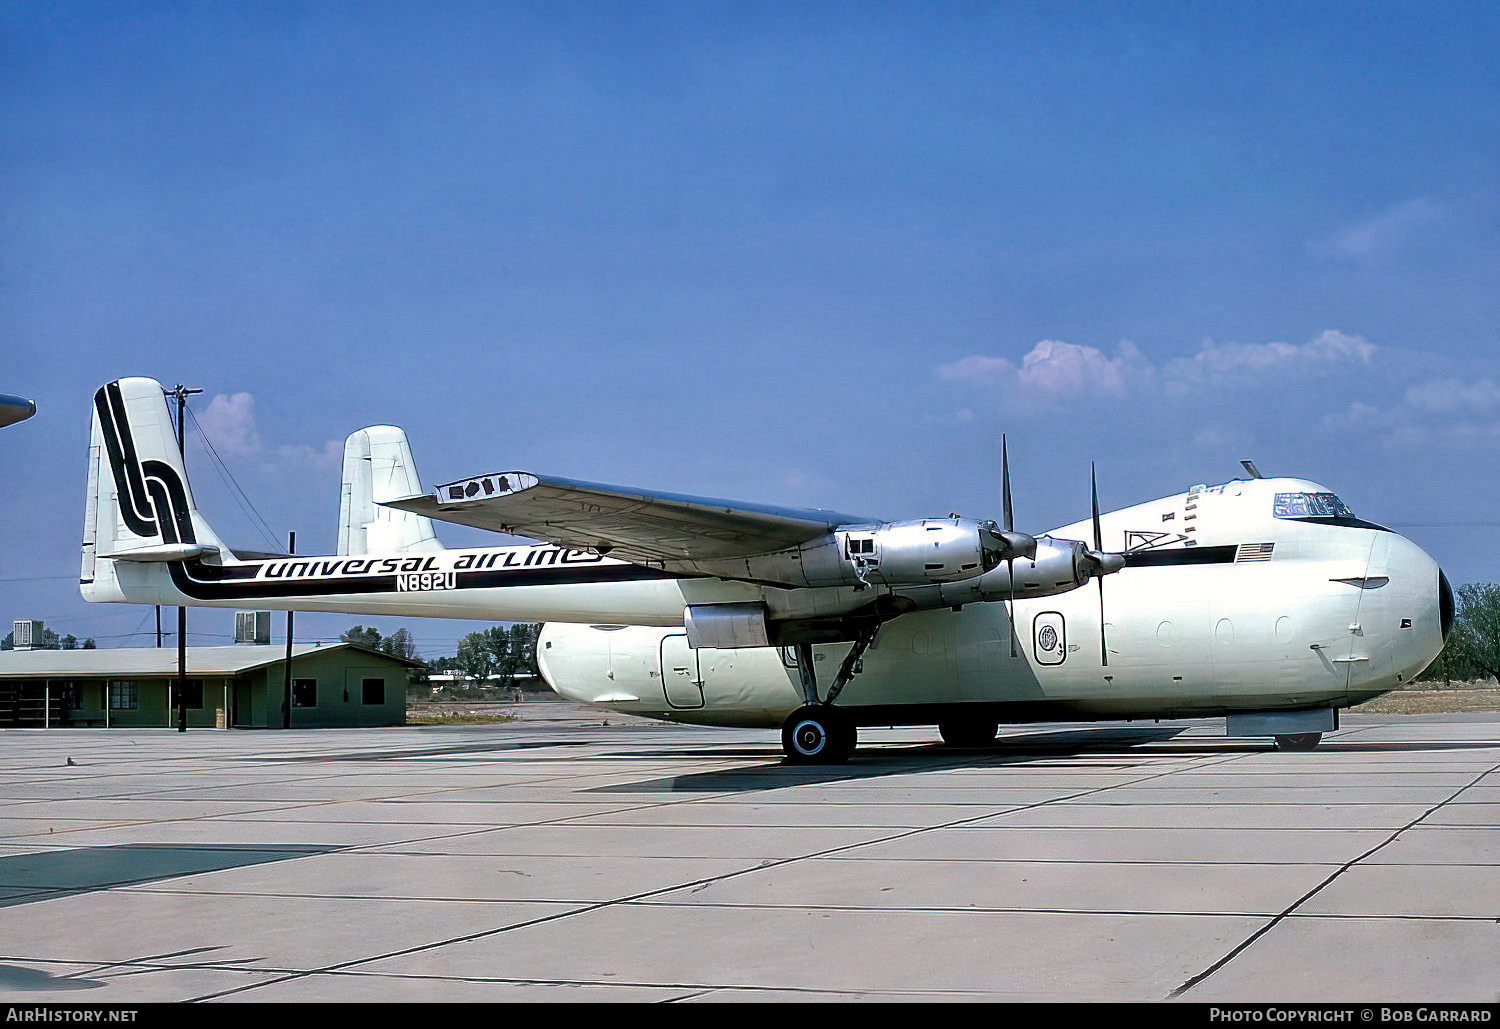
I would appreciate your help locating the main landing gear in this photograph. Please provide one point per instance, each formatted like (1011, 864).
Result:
(817, 733)
(1299, 741)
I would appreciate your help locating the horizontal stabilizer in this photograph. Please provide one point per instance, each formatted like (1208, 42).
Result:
(166, 552)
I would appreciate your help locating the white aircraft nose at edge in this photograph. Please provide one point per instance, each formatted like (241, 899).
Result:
(15, 409)
(1264, 600)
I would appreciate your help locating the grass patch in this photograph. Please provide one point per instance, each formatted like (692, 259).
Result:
(449, 716)
(1434, 698)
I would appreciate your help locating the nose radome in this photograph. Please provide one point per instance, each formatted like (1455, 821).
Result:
(1425, 614)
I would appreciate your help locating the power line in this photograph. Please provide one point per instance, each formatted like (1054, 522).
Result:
(240, 496)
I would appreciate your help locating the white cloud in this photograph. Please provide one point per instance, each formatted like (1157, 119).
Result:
(331, 455)
(1382, 234)
(229, 424)
(1227, 363)
(1054, 368)
(1446, 413)
(1441, 396)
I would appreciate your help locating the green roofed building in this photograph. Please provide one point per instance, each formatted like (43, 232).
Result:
(242, 687)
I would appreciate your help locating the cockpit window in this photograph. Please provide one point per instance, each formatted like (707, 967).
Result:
(1310, 505)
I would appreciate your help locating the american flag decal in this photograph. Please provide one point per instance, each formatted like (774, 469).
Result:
(1254, 552)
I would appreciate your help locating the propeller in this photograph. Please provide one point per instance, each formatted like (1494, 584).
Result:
(1010, 526)
(1103, 564)
(1013, 544)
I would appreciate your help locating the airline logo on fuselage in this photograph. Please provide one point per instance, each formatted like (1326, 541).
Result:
(444, 564)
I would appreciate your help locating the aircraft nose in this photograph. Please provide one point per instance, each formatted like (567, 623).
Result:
(1416, 606)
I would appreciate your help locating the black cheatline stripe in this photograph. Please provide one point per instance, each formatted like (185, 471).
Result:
(1182, 556)
(1343, 523)
(214, 584)
(134, 504)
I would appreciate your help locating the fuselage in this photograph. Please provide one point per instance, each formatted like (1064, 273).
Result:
(1258, 594)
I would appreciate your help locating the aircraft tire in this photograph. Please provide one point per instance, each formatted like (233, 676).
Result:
(1299, 741)
(968, 732)
(817, 734)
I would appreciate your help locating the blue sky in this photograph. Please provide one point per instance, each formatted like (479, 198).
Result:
(811, 254)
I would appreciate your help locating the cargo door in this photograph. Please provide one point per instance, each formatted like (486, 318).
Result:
(680, 678)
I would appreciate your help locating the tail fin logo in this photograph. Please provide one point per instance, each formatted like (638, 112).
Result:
(153, 500)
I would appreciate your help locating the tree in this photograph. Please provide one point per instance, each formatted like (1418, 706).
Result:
(1477, 625)
(479, 654)
(397, 644)
(50, 641)
(501, 651)
(1472, 649)
(362, 637)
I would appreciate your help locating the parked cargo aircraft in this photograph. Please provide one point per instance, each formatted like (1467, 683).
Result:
(1264, 600)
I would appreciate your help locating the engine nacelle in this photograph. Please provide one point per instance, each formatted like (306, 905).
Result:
(1057, 567)
(921, 552)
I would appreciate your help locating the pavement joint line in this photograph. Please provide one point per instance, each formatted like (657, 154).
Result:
(695, 884)
(1278, 919)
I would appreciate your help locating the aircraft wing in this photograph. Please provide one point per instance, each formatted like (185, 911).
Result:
(625, 522)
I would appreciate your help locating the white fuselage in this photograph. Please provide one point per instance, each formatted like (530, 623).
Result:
(1222, 606)
(1274, 613)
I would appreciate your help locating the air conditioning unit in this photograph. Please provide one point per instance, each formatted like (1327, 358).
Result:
(252, 627)
(27, 635)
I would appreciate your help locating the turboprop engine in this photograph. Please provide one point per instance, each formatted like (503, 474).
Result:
(920, 552)
(1047, 567)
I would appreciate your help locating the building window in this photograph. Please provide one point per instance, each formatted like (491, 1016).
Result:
(304, 693)
(124, 694)
(374, 691)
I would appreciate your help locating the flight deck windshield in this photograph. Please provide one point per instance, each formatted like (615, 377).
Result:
(1310, 505)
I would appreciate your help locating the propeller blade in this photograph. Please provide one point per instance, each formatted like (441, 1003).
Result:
(1094, 485)
(1103, 645)
(1098, 549)
(1010, 521)
(1010, 527)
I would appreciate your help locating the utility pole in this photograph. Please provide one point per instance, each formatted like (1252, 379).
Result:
(286, 700)
(181, 393)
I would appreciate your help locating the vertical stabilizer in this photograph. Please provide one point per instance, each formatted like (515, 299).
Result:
(139, 507)
(378, 466)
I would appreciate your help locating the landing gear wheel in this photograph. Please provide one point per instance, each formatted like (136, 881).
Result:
(1299, 741)
(968, 732)
(817, 734)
